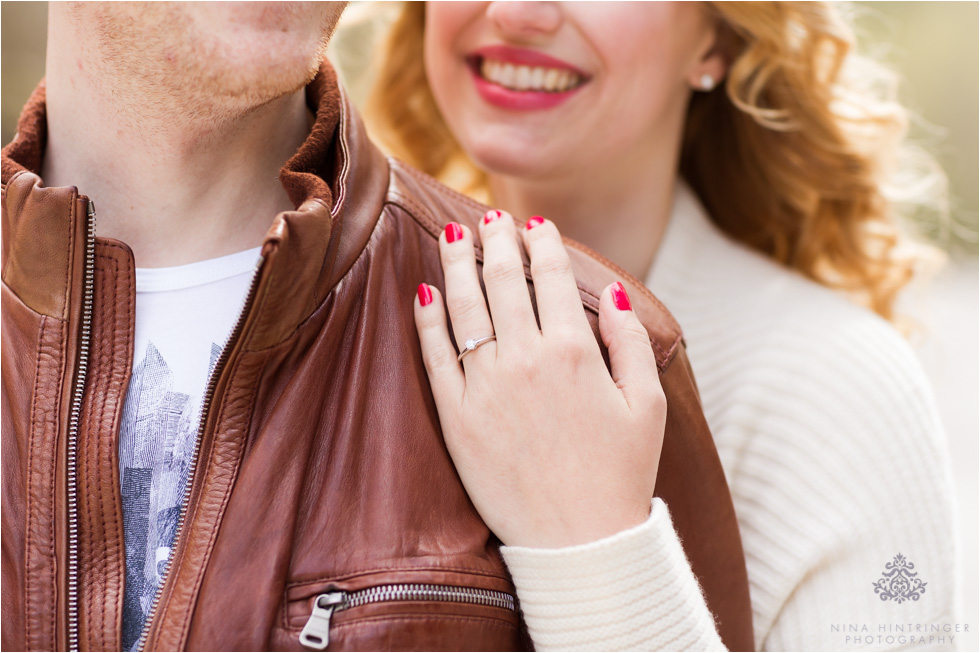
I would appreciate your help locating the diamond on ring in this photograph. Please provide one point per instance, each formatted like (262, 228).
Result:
(472, 344)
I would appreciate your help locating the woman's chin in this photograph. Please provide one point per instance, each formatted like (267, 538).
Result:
(512, 162)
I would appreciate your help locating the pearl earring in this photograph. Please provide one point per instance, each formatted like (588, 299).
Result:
(707, 82)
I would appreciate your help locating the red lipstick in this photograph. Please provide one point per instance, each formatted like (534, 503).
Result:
(528, 99)
(524, 57)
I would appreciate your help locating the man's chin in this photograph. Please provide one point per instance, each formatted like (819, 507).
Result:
(255, 86)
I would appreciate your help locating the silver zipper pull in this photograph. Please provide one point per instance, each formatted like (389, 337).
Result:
(316, 632)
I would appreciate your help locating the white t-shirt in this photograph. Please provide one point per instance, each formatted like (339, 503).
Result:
(184, 315)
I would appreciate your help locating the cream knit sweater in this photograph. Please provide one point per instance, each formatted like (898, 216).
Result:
(834, 454)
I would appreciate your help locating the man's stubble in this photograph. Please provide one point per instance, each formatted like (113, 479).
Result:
(189, 65)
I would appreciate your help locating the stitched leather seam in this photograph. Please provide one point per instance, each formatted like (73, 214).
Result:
(224, 498)
(433, 183)
(30, 473)
(679, 340)
(119, 578)
(72, 218)
(605, 261)
(63, 370)
(487, 621)
(95, 426)
(639, 286)
(223, 504)
(85, 508)
(106, 317)
(364, 572)
(115, 517)
(421, 215)
(107, 314)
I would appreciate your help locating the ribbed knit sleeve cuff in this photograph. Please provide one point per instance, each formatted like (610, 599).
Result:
(634, 590)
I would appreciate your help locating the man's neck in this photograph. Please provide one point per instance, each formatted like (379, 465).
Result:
(177, 186)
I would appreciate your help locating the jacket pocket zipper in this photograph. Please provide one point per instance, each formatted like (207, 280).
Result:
(316, 632)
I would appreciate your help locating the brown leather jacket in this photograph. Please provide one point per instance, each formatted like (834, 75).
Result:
(321, 466)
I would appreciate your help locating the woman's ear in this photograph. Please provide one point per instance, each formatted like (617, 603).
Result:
(714, 63)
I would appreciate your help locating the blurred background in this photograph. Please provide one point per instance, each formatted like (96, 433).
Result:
(934, 46)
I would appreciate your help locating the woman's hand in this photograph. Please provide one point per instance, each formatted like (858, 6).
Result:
(552, 450)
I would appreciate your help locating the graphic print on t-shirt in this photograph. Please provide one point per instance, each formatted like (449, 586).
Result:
(156, 446)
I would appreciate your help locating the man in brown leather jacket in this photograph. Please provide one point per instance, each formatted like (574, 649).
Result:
(308, 464)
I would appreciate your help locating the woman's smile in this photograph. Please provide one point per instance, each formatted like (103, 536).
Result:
(528, 89)
(522, 79)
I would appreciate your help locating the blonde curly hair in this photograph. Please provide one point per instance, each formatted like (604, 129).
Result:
(791, 156)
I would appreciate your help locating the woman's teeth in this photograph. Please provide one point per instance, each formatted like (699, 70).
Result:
(525, 78)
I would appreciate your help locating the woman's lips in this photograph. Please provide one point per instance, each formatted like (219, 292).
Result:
(523, 56)
(519, 79)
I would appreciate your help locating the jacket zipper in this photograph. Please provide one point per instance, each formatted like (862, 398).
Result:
(316, 632)
(88, 295)
(205, 408)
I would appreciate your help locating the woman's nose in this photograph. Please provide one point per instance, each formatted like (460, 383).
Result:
(525, 19)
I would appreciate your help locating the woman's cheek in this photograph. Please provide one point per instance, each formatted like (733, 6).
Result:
(442, 29)
(438, 70)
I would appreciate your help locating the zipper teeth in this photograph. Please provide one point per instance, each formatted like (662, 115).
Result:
(205, 406)
(88, 294)
(424, 592)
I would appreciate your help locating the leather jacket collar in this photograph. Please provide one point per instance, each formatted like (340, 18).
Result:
(337, 181)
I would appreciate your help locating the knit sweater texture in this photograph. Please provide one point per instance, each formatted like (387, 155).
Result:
(836, 459)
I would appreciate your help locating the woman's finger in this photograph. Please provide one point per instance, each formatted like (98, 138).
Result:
(555, 290)
(631, 358)
(438, 354)
(503, 275)
(464, 297)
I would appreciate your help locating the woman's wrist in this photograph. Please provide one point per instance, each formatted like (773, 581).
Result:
(587, 525)
(656, 511)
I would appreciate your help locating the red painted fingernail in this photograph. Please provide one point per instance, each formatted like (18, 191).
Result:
(491, 215)
(620, 298)
(453, 232)
(425, 295)
(534, 221)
